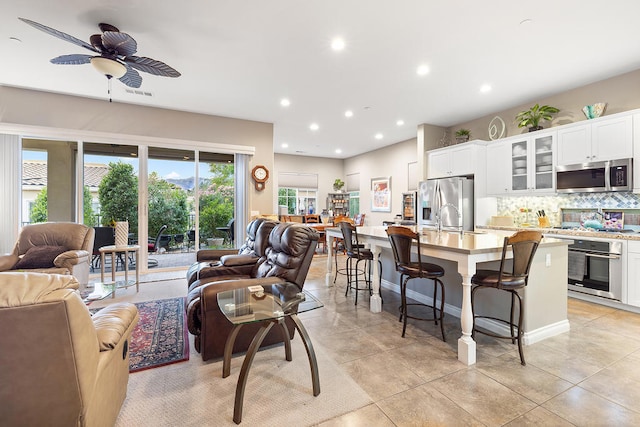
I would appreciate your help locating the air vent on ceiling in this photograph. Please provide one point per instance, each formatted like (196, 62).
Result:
(139, 92)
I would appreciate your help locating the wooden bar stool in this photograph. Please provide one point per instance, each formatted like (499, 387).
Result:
(357, 252)
(402, 241)
(523, 245)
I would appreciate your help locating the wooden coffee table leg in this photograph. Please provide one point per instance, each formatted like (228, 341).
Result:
(287, 340)
(311, 354)
(228, 350)
(244, 371)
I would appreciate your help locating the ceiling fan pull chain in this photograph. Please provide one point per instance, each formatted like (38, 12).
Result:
(109, 87)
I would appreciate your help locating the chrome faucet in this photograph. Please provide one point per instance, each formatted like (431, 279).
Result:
(439, 216)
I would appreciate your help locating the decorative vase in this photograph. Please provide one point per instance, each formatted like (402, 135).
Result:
(461, 139)
(535, 128)
(324, 216)
(122, 233)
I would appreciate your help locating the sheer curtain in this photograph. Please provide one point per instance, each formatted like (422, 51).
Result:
(241, 170)
(10, 196)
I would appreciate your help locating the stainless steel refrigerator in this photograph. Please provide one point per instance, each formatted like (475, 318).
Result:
(449, 198)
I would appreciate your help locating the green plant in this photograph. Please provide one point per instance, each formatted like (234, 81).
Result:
(463, 132)
(338, 184)
(532, 117)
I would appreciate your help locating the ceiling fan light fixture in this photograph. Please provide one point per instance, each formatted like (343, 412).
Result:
(108, 67)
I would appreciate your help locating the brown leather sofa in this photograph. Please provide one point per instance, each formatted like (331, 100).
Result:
(52, 247)
(59, 366)
(249, 253)
(287, 258)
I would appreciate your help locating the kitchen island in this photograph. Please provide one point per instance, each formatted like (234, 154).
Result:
(545, 297)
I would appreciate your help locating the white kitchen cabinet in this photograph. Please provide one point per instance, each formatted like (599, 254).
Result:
(596, 140)
(498, 178)
(452, 161)
(633, 273)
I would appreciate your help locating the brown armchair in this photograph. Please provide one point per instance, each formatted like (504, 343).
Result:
(59, 365)
(287, 258)
(52, 247)
(249, 253)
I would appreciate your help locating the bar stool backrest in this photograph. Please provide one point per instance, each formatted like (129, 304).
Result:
(402, 240)
(523, 246)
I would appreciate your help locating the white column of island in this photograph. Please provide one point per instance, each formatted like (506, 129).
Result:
(545, 296)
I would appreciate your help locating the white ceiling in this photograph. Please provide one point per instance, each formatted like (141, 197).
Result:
(238, 58)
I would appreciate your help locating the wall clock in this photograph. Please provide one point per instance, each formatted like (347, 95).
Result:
(260, 175)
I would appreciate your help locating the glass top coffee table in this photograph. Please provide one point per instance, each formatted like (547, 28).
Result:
(268, 305)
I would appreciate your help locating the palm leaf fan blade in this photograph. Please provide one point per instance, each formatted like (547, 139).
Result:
(59, 34)
(120, 43)
(73, 59)
(131, 78)
(151, 66)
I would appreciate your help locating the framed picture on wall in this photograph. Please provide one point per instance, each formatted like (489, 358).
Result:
(381, 194)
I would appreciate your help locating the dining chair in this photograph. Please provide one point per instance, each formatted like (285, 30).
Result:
(312, 219)
(523, 245)
(404, 241)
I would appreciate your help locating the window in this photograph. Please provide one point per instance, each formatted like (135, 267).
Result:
(298, 201)
(354, 203)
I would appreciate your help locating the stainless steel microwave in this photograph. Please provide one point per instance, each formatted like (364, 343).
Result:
(611, 175)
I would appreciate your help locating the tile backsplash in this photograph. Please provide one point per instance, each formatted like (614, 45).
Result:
(524, 209)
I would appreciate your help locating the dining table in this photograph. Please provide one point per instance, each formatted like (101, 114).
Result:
(468, 249)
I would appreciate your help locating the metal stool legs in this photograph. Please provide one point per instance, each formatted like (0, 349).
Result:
(365, 272)
(404, 307)
(515, 328)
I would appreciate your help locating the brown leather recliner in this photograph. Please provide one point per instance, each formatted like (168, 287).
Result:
(287, 258)
(253, 248)
(52, 247)
(59, 366)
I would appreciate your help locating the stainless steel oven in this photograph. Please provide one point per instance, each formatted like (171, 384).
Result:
(595, 267)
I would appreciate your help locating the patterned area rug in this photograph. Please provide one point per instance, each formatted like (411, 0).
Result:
(160, 338)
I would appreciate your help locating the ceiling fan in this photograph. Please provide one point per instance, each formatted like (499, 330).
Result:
(115, 55)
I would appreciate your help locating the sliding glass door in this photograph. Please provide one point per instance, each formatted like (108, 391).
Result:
(175, 201)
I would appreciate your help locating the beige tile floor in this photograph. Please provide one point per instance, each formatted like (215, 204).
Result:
(589, 376)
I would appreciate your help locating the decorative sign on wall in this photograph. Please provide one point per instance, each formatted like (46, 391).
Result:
(497, 128)
(381, 194)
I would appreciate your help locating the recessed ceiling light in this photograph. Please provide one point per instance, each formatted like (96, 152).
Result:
(337, 44)
(422, 70)
(15, 39)
(284, 145)
(400, 123)
(526, 21)
(314, 126)
(285, 102)
(338, 151)
(348, 113)
(485, 88)
(379, 136)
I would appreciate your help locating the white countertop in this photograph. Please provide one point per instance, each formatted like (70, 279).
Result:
(467, 242)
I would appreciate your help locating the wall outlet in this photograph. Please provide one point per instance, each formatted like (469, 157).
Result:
(547, 260)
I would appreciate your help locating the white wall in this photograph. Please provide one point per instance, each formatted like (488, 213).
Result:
(326, 169)
(392, 161)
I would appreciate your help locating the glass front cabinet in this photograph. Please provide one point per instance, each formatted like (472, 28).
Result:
(532, 163)
(524, 164)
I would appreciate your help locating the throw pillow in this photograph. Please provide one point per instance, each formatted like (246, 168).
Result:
(39, 257)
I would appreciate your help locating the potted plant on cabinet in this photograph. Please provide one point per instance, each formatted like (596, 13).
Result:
(463, 135)
(338, 184)
(532, 117)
